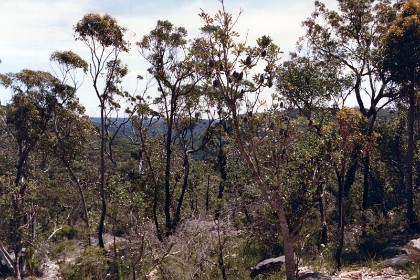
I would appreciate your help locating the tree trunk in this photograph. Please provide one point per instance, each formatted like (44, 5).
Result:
(323, 234)
(277, 206)
(155, 217)
(221, 160)
(290, 263)
(220, 259)
(16, 234)
(365, 193)
(351, 174)
(340, 200)
(207, 193)
(168, 222)
(366, 175)
(72, 176)
(80, 189)
(17, 223)
(155, 187)
(177, 215)
(33, 224)
(102, 182)
(18, 203)
(411, 216)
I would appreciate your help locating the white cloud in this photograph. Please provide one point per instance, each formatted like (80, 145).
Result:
(32, 30)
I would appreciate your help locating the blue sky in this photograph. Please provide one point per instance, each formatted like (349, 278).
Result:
(32, 29)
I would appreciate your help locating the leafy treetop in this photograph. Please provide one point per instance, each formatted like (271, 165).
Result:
(103, 29)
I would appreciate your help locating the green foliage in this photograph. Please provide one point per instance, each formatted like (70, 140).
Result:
(165, 49)
(413, 270)
(258, 248)
(344, 134)
(351, 40)
(69, 59)
(63, 250)
(103, 29)
(37, 95)
(92, 264)
(125, 206)
(228, 65)
(164, 35)
(311, 85)
(402, 54)
(67, 231)
(34, 260)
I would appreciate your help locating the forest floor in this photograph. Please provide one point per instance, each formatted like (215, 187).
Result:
(372, 269)
(367, 273)
(51, 272)
(362, 273)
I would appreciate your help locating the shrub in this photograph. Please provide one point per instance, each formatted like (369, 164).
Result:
(92, 264)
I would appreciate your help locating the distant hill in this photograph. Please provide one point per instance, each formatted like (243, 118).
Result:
(157, 127)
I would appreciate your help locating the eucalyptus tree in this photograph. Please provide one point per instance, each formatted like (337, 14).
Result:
(262, 138)
(316, 90)
(402, 60)
(36, 96)
(143, 120)
(341, 135)
(352, 37)
(70, 129)
(188, 123)
(166, 50)
(105, 40)
(312, 86)
(67, 65)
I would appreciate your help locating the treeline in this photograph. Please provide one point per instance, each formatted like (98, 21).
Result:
(280, 165)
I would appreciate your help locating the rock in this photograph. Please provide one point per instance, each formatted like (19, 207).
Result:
(393, 251)
(50, 270)
(352, 274)
(399, 261)
(413, 248)
(314, 276)
(267, 266)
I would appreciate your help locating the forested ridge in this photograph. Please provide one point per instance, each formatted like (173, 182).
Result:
(232, 154)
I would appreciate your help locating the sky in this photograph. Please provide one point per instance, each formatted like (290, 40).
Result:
(31, 30)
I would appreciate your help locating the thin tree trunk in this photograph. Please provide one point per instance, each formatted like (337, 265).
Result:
(323, 235)
(81, 192)
(16, 234)
(207, 193)
(16, 224)
(155, 217)
(221, 159)
(365, 193)
(168, 221)
(73, 176)
(411, 215)
(102, 179)
(277, 205)
(177, 215)
(33, 224)
(220, 259)
(340, 200)
(155, 186)
(289, 255)
(351, 174)
(366, 175)
(18, 202)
